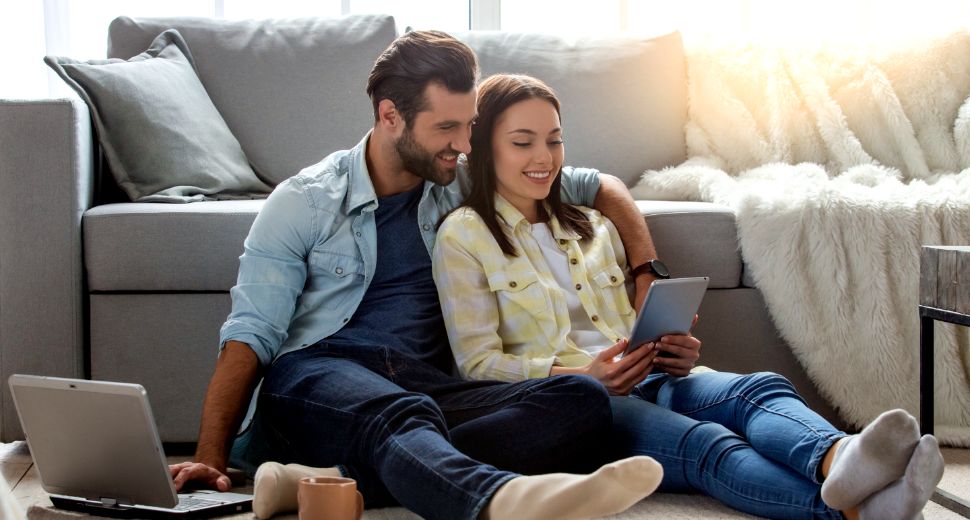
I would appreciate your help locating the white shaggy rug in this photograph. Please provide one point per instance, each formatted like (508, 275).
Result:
(839, 165)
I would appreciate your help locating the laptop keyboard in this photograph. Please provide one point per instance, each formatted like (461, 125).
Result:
(187, 503)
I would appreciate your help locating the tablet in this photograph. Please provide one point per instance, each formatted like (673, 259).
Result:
(669, 308)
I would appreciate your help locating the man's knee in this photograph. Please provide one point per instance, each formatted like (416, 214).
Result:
(409, 410)
(583, 393)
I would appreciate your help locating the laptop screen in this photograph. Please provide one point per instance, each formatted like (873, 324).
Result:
(93, 439)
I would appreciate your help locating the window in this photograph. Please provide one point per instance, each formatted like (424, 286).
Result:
(78, 28)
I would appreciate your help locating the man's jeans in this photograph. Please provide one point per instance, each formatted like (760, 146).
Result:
(411, 434)
(748, 440)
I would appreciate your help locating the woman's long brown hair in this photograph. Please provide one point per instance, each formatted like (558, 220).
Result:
(495, 95)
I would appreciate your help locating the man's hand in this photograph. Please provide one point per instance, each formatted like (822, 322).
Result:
(684, 350)
(620, 376)
(198, 473)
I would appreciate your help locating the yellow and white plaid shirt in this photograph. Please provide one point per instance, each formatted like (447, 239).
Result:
(506, 316)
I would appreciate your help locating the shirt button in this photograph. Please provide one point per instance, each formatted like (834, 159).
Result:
(339, 270)
(594, 318)
(579, 287)
(573, 261)
(427, 227)
(513, 285)
(357, 233)
(562, 241)
(613, 279)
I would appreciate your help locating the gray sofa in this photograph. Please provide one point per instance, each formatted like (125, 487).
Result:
(94, 286)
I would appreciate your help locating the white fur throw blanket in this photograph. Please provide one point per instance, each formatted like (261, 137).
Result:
(839, 166)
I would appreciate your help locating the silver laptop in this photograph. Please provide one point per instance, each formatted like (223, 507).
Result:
(97, 450)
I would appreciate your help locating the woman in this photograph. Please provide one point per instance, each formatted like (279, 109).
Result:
(531, 287)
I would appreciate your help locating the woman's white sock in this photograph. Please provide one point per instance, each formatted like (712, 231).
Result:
(868, 462)
(905, 498)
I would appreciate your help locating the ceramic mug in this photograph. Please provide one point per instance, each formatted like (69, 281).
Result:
(329, 498)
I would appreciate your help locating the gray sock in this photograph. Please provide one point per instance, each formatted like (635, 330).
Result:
(905, 498)
(868, 462)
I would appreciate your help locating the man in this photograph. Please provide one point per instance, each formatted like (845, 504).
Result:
(336, 310)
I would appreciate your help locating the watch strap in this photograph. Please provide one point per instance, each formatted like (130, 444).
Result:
(645, 268)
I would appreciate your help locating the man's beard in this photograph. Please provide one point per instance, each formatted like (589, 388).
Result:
(420, 162)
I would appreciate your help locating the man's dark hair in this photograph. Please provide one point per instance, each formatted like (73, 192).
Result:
(403, 71)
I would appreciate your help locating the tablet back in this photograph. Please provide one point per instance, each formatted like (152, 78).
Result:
(669, 308)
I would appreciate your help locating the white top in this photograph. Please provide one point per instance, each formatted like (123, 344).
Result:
(583, 333)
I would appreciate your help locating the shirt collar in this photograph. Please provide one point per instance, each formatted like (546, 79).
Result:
(360, 190)
(512, 217)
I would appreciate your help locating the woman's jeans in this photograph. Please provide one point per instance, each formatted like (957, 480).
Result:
(411, 434)
(747, 440)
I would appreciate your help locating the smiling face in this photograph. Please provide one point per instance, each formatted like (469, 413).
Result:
(527, 150)
(429, 145)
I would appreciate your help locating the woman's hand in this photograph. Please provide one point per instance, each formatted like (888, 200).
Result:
(683, 352)
(619, 376)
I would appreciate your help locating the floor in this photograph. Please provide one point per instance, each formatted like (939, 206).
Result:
(21, 476)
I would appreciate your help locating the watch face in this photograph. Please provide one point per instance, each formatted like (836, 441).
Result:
(659, 269)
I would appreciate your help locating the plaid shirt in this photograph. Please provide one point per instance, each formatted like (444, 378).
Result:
(506, 316)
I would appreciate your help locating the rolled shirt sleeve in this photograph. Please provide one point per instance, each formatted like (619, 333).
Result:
(272, 272)
(580, 185)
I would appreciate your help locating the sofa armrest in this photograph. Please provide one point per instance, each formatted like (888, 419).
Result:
(695, 239)
(46, 183)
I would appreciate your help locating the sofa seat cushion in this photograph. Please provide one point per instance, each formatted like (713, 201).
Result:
(695, 239)
(140, 246)
(196, 247)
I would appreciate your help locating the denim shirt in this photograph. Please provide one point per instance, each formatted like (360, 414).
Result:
(312, 250)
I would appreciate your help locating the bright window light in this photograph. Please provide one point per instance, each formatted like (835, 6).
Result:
(571, 17)
(246, 9)
(444, 15)
(78, 28)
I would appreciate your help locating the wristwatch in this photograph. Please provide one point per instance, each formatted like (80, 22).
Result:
(654, 267)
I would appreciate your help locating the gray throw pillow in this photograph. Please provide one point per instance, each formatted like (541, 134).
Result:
(163, 138)
(291, 90)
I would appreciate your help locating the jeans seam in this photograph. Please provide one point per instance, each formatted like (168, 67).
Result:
(746, 496)
(382, 424)
(316, 404)
(518, 394)
(478, 505)
(489, 494)
(817, 451)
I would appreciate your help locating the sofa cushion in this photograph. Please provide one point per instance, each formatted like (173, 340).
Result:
(624, 100)
(695, 239)
(153, 247)
(160, 133)
(291, 90)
